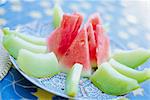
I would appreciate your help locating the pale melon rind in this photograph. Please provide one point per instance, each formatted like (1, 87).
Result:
(132, 58)
(57, 15)
(28, 38)
(13, 44)
(84, 73)
(108, 80)
(38, 65)
(73, 78)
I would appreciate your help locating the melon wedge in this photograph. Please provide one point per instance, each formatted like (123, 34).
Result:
(28, 38)
(13, 44)
(78, 52)
(140, 76)
(57, 15)
(132, 58)
(38, 65)
(73, 78)
(108, 80)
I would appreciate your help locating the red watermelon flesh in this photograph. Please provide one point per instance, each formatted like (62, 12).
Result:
(94, 19)
(78, 52)
(53, 40)
(68, 34)
(101, 39)
(102, 46)
(92, 45)
(61, 38)
(107, 48)
(79, 22)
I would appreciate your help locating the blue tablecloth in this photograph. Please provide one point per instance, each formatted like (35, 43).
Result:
(124, 28)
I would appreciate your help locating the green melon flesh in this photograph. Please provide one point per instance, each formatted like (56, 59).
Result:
(133, 58)
(57, 15)
(28, 38)
(38, 65)
(107, 79)
(72, 80)
(13, 44)
(140, 76)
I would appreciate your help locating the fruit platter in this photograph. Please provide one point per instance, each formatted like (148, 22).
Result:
(74, 59)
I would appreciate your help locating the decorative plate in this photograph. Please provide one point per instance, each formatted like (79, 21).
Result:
(56, 84)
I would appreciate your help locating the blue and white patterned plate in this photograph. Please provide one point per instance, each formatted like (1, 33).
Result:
(56, 84)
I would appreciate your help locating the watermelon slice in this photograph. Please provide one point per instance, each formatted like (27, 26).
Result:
(71, 27)
(61, 38)
(92, 45)
(102, 46)
(78, 52)
(99, 47)
(102, 40)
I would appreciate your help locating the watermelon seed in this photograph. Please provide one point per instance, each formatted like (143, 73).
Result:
(82, 42)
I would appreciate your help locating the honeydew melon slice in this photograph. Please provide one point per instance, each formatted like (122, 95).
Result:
(57, 15)
(72, 80)
(38, 65)
(107, 79)
(132, 58)
(13, 44)
(140, 76)
(28, 38)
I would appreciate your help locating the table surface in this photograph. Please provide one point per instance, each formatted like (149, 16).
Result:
(126, 21)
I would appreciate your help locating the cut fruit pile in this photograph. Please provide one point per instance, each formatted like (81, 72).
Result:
(76, 50)
(87, 45)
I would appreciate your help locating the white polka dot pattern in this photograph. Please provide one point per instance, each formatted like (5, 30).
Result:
(132, 45)
(147, 36)
(48, 11)
(123, 35)
(35, 14)
(2, 11)
(16, 8)
(2, 21)
(132, 19)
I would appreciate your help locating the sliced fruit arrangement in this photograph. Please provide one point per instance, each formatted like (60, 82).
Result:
(64, 40)
(107, 79)
(38, 65)
(87, 45)
(72, 80)
(132, 58)
(77, 50)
